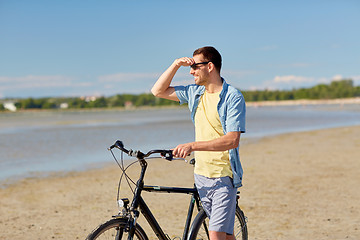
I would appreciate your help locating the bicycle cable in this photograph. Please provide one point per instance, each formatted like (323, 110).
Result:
(123, 169)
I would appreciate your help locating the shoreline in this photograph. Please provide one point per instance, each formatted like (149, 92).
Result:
(338, 101)
(296, 186)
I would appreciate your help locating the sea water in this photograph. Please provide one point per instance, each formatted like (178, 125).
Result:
(33, 143)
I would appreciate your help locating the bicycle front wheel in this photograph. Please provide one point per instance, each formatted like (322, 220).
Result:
(116, 229)
(200, 227)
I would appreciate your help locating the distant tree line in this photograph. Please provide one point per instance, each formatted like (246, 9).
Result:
(120, 100)
(336, 89)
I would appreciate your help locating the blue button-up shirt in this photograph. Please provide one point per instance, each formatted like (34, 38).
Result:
(231, 109)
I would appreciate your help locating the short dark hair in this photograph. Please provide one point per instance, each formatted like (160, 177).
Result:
(211, 55)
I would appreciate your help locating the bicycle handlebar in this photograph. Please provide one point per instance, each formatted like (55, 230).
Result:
(167, 154)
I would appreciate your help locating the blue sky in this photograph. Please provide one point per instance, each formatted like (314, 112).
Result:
(82, 48)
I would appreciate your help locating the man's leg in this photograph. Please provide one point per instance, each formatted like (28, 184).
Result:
(218, 197)
(223, 207)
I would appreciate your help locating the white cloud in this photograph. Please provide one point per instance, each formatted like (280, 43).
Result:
(32, 81)
(182, 77)
(41, 84)
(183, 82)
(337, 77)
(356, 80)
(36, 79)
(293, 81)
(127, 77)
(127, 82)
(237, 74)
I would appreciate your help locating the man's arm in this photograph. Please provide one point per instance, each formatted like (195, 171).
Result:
(162, 86)
(223, 143)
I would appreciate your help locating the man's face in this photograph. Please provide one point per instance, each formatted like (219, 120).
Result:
(200, 72)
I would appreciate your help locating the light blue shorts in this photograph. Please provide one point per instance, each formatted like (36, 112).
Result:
(218, 198)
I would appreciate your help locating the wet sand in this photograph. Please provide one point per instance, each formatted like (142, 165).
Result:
(296, 186)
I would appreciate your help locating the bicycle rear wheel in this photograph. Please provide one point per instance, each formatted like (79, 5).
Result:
(200, 227)
(116, 229)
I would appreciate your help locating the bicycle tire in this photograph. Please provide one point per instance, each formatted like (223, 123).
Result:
(115, 229)
(199, 228)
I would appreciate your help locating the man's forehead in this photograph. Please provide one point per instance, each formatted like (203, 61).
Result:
(198, 57)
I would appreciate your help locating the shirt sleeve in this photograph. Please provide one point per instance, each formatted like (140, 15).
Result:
(235, 117)
(182, 92)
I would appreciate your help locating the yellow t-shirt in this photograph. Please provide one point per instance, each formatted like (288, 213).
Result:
(208, 127)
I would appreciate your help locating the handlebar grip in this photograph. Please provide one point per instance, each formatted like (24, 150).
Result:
(119, 144)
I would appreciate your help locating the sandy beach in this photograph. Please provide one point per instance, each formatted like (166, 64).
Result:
(296, 186)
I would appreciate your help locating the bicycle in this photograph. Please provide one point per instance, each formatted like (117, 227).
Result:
(124, 225)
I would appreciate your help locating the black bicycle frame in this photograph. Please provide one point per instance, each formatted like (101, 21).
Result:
(138, 201)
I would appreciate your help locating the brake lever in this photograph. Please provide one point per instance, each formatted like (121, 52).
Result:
(168, 155)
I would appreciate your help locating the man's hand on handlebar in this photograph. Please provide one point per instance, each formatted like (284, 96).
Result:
(183, 150)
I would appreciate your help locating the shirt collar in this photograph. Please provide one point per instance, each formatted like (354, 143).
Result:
(224, 88)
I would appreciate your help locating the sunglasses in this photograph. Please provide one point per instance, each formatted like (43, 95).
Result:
(195, 65)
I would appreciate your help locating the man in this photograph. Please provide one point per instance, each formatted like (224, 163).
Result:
(218, 112)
